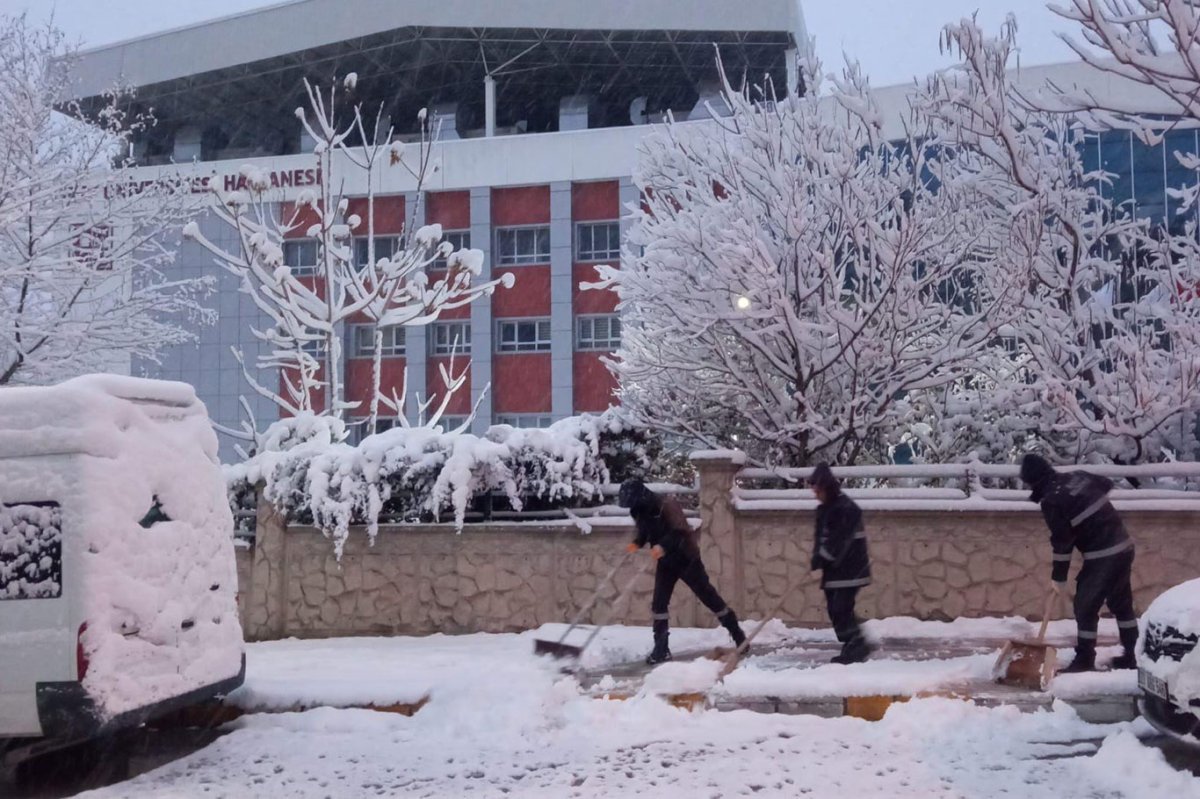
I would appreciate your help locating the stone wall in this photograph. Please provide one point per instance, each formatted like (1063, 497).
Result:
(419, 579)
(931, 563)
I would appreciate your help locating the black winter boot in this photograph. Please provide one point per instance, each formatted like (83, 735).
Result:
(1085, 659)
(1127, 659)
(856, 650)
(661, 653)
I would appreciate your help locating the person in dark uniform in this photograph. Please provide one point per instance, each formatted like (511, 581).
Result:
(662, 525)
(1079, 515)
(840, 552)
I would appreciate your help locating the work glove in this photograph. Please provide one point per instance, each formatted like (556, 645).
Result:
(631, 547)
(1058, 588)
(656, 552)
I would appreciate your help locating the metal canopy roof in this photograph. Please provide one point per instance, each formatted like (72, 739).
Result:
(304, 25)
(246, 109)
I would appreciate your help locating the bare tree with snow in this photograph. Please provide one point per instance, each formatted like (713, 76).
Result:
(1106, 343)
(310, 313)
(794, 275)
(83, 246)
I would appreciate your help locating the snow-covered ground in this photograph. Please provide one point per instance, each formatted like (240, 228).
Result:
(501, 722)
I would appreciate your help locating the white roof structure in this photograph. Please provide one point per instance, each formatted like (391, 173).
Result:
(301, 25)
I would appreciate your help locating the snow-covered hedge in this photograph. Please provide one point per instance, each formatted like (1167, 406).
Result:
(419, 474)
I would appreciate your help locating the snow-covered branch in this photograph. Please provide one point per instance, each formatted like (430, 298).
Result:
(83, 246)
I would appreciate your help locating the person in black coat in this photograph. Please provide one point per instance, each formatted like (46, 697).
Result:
(1079, 515)
(673, 543)
(840, 552)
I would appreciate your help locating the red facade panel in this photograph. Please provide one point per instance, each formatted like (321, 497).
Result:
(460, 403)
(529, 296)
(521, 383)
(450, 209)
(522, 205)
(595, 386)
(304, 219)
(359, 381)
(592, 301)
(390, 219)
(595, 201)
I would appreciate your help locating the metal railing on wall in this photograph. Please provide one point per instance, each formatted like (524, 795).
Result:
(975, 485)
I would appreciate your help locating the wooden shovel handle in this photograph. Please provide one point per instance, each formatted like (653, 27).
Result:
(1041, 636)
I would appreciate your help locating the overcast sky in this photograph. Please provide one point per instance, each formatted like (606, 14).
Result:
(894, 39)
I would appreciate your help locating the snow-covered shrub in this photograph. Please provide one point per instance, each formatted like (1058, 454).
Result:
(421, 474)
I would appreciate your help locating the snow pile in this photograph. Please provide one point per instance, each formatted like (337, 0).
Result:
(146, 529)
(30, 552)
(876, 677)
(412, 474)
(683, 677)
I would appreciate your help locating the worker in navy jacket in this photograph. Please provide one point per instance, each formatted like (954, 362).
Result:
(840, 552)
(1080, 516)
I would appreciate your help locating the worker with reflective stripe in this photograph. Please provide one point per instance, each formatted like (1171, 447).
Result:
(1080, 516)
(673, 544)
(840, 552)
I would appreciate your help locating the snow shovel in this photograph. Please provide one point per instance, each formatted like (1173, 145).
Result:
(732, 656)
(561, 649)
(1029, 664)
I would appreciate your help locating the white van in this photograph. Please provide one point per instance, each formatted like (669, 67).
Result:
(118, 586)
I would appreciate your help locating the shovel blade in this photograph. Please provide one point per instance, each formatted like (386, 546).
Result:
(1027, 664)
(556, 649)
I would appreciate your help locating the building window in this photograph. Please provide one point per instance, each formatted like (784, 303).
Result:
(598, 241)
(525, 421)
(301, 257)
(385, 247)
(450, 338)
(30, 551)
(460, 239)
(363, 337)
(93, 246)
(598, 333)
(361, 426)
(523, 335)
(315, 347)
(518, 246)
(451, 423)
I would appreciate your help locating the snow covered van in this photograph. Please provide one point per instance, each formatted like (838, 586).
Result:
(118, 586)
(1168, 656)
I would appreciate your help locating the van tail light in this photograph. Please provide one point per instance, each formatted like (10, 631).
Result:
(81, 658)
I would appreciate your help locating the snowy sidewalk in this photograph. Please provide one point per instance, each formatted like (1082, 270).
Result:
(500, 723)
(788, 671)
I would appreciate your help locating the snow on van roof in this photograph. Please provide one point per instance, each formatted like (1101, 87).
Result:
(88, 414)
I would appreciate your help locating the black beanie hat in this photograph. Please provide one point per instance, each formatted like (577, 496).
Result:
(1035, 469)
(822, 477)
(633, 492)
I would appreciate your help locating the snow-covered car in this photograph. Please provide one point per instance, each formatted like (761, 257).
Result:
(118, 584)
(1169, 662)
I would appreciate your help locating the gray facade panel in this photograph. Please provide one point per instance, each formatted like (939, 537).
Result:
(481, 312)
(415, 344)
(207, 363)
(562, 248)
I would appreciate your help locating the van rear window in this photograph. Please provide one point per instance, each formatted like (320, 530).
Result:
(30, 551)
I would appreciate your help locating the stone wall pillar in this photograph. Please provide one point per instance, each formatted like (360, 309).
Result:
(720, 537)
(267, 603)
